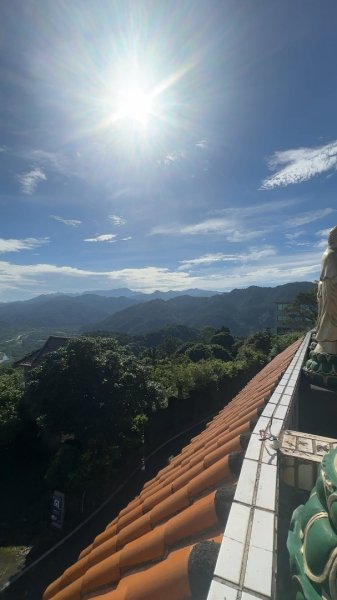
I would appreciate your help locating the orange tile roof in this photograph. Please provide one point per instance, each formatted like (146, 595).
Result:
(164, 544)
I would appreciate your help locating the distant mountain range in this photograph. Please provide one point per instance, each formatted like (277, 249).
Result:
(242, 310)
(122, 310)
(73, 312)
(156, 294)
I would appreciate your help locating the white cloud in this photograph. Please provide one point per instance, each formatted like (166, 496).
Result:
(269, 269)
(3, 149)
(301, 164)
(236, 224)
(55, 160)
(147, 278)
(202, 144)
(13, 245)
(206, 260)
(104, 237)
(294, 236)
(254, 254)
(126, 239)
(31, 179)
(254, 210)
(68, 222)
(173, 157)
(323, 234)
(219, 226)
(117, 220)
(309, 217)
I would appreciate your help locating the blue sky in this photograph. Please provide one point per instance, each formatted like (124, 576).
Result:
(165, 144)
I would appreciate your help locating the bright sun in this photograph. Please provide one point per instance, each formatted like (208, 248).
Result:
(134, 104)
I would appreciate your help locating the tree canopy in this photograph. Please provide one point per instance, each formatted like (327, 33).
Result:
(92, 396)
(302, 312)
(11, 391)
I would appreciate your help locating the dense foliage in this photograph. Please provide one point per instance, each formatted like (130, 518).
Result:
(11, 392)
(302, 311)
(88, 401)
(92, 408)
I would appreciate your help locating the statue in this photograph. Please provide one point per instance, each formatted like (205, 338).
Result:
(321, 367)
(326, 334)
(312, 538)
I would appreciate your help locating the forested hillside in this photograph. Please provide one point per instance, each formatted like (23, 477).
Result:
(25, 326)
(243, 311)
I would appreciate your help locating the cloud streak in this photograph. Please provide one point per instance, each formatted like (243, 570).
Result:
(68, 222)
(117, 220)
(309, 217)
(299, 165)
(14, 245)
(232, 231)
(235, 224)
(254, 254)
(30, 180)
(104, 237)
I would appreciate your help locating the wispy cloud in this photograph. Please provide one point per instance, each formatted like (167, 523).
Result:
(173, 157)
(232, 231)
(301, 164)
(13, 245)
(54, 160)
(254, 254)
(323, 235)
(11, 273)
(126, 239)
(70, 278)
(68, 222)
(309, 217)
(30, 180)
(294, 235)
(104, 237)
(235, 224)
(202, 144)
(206, 260)
(259, 267)
(3, 149)
(117, 220)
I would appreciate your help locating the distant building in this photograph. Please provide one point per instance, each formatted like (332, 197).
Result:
(35, 358)
(283, 324)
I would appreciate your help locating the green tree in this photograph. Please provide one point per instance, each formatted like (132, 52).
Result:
(261, 340)
(281, 342)
(197, 352)
(251, 356)
(169, 345)
(223, 338)
(11, 392)
(91, 395)
(302, 312)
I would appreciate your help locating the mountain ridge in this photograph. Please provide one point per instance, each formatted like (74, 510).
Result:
(242, 310)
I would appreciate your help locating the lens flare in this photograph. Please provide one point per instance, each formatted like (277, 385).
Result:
(134, 104)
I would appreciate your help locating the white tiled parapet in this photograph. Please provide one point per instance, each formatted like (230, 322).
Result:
(246, 564)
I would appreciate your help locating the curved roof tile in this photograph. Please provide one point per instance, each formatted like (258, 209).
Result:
(164, 544)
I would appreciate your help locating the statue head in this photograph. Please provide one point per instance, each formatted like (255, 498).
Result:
(332, 238)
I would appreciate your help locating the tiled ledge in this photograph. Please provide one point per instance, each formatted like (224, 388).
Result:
(245, 568)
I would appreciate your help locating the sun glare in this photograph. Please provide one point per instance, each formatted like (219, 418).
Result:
(134, 104)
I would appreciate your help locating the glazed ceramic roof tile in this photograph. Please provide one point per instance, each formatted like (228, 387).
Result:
(164, 544)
